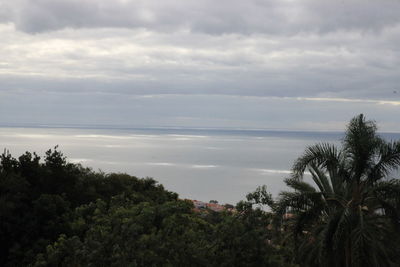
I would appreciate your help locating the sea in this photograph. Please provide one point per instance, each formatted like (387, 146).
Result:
(197, 163)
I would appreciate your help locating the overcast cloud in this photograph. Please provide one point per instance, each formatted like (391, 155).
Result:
(295, 64)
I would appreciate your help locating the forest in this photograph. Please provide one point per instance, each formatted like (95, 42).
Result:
(341, 208)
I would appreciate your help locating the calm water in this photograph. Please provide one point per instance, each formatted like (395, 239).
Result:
(199, 164)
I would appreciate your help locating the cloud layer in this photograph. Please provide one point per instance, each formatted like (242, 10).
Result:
(207, 16)
(85, 53)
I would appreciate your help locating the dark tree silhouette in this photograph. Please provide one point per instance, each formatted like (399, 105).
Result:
(351, 217)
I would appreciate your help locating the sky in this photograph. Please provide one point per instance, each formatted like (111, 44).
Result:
(254, 64)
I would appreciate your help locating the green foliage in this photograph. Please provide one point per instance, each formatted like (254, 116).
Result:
(54, 213)
(260, 197)
(352, 217)
(40, 199)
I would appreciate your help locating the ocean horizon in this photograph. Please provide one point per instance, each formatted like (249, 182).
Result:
(222, 164)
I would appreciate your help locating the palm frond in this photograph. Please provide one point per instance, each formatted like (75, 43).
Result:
(299, 185)
(321, 180)
(352, 215)
(360, 143)
(322, 155)
(389, 154)
(387, 195)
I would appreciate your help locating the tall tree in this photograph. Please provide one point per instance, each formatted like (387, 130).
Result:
(351, 216)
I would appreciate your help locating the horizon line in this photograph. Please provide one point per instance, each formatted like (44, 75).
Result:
(169, 127)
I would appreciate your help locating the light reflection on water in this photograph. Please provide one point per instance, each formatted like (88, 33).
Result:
(218, 165)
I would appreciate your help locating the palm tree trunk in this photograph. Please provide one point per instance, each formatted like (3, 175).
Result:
(348, 253)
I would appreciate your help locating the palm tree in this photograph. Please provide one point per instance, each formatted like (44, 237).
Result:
(351, 217)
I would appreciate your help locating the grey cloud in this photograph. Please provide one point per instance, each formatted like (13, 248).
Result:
(177, 48)
(135, 62)
(189, 111)
(212, 17)
(246, 83)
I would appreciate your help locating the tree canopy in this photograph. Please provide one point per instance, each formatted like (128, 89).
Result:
(55, 213)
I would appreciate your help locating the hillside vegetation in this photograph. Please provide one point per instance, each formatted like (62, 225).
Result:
(55, 213)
